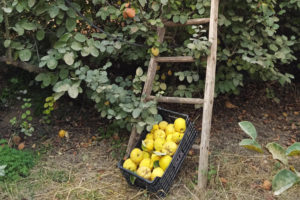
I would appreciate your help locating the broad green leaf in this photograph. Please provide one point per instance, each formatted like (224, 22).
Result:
(139, 129)
(189, 79)
(63, 73)
(118, 45)
(277, 152)
(79, 37)
(73, 91)
(249, 129)
(25, 55)
(40, 77)
(29, 26)
(283, 180)
(52, 63)
(136, 112)
(70, 24)
(57, 95)
(76, 46)
(69, 58)
(251, 144)
(7, 10)
(294, 149)
(53, 11)
(6, 43)
(94, 51)
(164, 2)
(143, 2)
(31, 3)
(40, 35)
(155, 6)
(61, 86)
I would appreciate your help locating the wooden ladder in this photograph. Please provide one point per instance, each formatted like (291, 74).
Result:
(209, 86)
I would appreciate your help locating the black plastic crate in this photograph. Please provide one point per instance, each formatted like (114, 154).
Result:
(162, 185)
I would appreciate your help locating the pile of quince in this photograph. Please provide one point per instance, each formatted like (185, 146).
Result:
(157, 150)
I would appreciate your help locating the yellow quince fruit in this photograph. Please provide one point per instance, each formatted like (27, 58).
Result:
(157, 172)
(136, 155)
(180, 125)
(129, 164)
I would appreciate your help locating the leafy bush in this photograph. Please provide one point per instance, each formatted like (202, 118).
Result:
(285, 178)
(74, 56)
(17, 163)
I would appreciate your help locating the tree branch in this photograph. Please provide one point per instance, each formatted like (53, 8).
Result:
(22, 65)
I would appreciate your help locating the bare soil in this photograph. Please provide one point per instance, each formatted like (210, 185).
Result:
(84, 166)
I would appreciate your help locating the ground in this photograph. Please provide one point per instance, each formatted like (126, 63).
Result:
(85, 165)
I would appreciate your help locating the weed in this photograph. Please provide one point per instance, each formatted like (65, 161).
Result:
(18, 163)
(23, 124)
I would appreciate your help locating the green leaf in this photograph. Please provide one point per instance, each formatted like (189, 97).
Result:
(57, 95)
(63, 73)
(53, 11)
(189, 79)
(69, 58)
(6, 43)
(52, 63)
(283, 180)
(25, 55)
(40, 35)
(136, 113)
(28, 25)
(277, 152)
(143, 2)
(76, 46)
(31, 3)
(94, 51)
(23, 116)
(7, 10)
(73, 91)
(164, 2)
(251, 144)
(294, 149)
(132, 179)
(249, 129)
(156, 164)
(155, 6)
(71, 24)
(61, 86)
(79, 37)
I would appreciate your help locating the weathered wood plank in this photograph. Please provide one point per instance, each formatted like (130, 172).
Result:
(177, 59)
(208, 96)
(189, 22)
(177, 100)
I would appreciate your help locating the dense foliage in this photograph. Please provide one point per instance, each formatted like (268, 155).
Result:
(17, 163)
(108, 64)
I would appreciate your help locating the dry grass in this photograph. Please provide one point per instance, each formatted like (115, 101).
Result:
(92, 174)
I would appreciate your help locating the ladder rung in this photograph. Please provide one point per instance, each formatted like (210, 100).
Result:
(177, 100)
(189, 22)
(175, 59)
